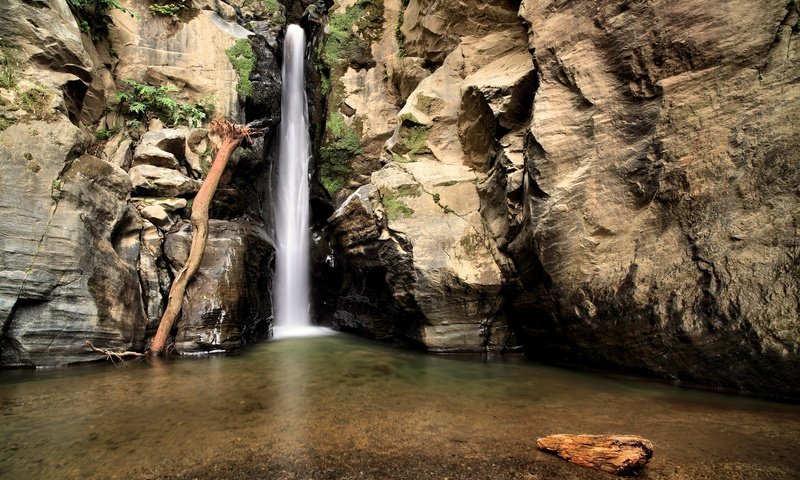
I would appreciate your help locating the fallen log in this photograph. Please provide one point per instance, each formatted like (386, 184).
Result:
(618, 454)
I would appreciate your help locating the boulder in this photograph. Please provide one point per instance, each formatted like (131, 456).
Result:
(170, 140)
(161, 182)
(152, 155)
(227, 304)
(61, 281)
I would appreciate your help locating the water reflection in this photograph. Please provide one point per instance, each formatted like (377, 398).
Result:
(304, 408)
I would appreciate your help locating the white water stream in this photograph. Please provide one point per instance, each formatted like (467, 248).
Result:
(292, 284)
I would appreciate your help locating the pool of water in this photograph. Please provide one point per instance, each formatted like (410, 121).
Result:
(340, 407)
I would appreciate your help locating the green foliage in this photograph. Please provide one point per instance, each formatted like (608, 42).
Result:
(325, 85)
(93, 17)
(341, 145)
(395, 208)
(145, 102)
(393, 204)
(36, 102)
(350, 33)
(341, 136)
(104, 133)
(166, 9)
(9, 65)
(243, 60)
(437, 200)
(55, 189)
(409, 191)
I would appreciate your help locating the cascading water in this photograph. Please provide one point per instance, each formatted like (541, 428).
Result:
(292, 283)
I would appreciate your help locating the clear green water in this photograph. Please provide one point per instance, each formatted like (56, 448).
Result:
(339, 407)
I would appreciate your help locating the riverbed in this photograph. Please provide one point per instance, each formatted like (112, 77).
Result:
(340, 407)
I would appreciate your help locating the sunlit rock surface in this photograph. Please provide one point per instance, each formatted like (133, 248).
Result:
(661, 190)
(637, 162)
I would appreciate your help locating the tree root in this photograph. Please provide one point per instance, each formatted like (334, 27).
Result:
(111, 354)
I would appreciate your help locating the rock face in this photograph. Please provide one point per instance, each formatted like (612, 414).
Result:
(426, 202)
(228, 303)
(661, 200)
(80, 259)
(642, 181)
(62, 282)
(189, 54)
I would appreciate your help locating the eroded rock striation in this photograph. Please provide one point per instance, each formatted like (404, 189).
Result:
(614, 183)
(661, 203)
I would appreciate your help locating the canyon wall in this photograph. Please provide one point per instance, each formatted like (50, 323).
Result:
(94, 197)
(608, 183)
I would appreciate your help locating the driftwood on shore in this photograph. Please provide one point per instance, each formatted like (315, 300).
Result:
(617, 454)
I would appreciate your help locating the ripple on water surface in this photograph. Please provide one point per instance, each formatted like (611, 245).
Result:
(338, 407)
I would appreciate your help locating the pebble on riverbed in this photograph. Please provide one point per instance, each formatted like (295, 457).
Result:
(617, 454)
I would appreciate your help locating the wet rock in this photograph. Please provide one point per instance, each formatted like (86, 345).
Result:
(161, 182)
(618, 454)
(227, 304)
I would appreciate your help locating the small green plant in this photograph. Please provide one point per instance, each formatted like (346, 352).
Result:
(437, 200)
(145, 102)
(9, 65)
(93, 18)
(104, 133)
(243, 60)
(395, 208)
(166, 9)
(55, 189)
(36, 102)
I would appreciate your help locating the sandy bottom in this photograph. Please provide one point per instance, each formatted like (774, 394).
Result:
(336, 407)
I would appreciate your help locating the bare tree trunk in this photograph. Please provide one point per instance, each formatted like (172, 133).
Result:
(231, 135)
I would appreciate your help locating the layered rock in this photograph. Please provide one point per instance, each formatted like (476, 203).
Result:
(647, 195)
(80, 259)
(62, 281)
(661, 205)
(426, 202)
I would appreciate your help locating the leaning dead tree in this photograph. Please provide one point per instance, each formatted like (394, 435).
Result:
(231, 136)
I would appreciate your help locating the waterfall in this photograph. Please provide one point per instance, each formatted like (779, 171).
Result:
(292, 269)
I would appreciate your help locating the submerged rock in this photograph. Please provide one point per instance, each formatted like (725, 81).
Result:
(617, 454)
